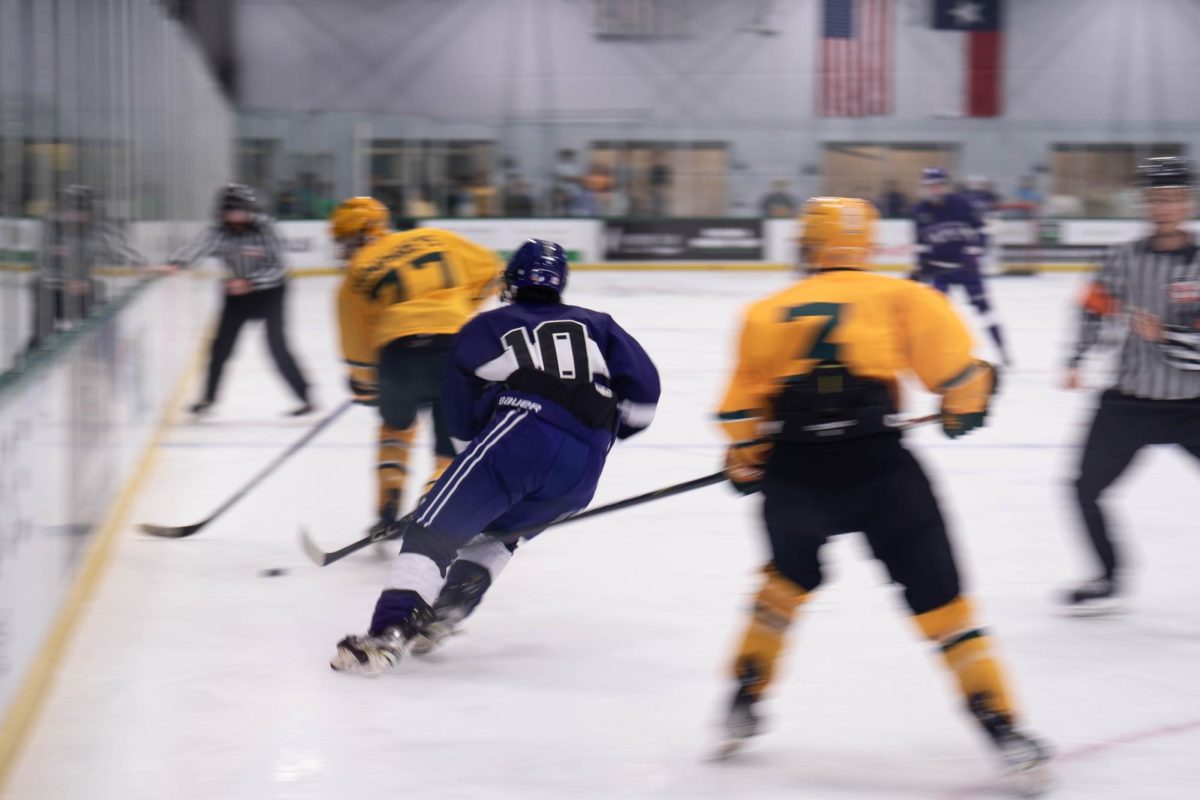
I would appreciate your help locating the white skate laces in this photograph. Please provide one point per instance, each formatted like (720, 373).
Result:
(370, 655)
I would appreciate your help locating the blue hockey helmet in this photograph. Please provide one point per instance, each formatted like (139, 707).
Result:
(537, 264)
(931, 175)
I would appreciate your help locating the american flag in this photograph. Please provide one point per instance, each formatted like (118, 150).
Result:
(856, 58)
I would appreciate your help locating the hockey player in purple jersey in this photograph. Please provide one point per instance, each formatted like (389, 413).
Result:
(950, 241)
(535, 394)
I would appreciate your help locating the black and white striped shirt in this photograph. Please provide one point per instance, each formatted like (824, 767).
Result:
(253, 253)
(1165, 284)
(71, 252)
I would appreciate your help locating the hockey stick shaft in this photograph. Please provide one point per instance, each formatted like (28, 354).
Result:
(666, 491)
(658, 494)
(187, 530)
(323, 559)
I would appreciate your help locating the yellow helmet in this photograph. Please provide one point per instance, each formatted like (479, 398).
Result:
(836, 231)
(357, 218)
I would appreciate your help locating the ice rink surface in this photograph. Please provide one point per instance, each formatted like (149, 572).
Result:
(597, 666)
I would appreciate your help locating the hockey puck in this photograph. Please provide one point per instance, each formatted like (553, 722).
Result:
(274, 572)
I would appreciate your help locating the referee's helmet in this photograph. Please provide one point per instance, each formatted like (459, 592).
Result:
(1165, 172)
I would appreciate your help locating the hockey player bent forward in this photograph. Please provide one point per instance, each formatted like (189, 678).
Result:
(405, 295)
(538, 391)
(817, 374)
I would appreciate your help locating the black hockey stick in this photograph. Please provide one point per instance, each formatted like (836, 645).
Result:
(168, 532)
(323, 559)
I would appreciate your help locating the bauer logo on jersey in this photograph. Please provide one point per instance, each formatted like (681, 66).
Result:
(253, 251)
(519, 402)
(1184, 292)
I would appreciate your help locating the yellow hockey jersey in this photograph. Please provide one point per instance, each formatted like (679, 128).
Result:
(877, 326)
(421, 281)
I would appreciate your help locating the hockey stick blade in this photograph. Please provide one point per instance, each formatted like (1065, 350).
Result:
(169, 532)
(323, 559)
(314, 553)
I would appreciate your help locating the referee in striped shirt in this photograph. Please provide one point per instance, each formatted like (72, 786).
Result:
(247, 243)
(1152, 288)
(76, 239)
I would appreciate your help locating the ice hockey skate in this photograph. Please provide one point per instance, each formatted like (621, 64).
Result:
(1022, 757)
(1025, 761)
(742, 721)
(465, 586)
(435, 634)
(1095, 598)
(370, 655)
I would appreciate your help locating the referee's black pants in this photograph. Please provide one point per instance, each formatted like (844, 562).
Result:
(267, 305)
(873, 485)
(1123, 425)
(51, 304)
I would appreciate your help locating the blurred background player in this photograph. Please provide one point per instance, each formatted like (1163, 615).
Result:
(538, 391)
(404, 296)
(1152, 286)
(950, 240)
(76, 239)
(818, 367)
(248, 245)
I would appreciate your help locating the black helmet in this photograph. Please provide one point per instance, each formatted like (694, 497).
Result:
(236, 197)
(1165, 172)
(77, 197)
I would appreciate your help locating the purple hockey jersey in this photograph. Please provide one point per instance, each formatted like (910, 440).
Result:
(949, 233)
(571, 343)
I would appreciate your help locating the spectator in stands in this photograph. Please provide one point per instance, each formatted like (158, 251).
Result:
(779, 202)
(314, 202)
(517, 201)
(1027, 192)
(421, 205)
(598, 187)
(287, 204)
(391, 196)
(618, 202)
(1063, 206)
(660, 179)
(893, 203)
(483, 194)
(459, 202)
(982, 195)
(567, 184)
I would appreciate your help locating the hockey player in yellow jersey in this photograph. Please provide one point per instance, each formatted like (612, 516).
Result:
(811, 412)
(404, 296)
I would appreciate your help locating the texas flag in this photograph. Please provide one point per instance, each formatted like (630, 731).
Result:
(981, 21)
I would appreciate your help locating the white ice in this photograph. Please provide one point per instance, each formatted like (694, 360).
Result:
(597, 666)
